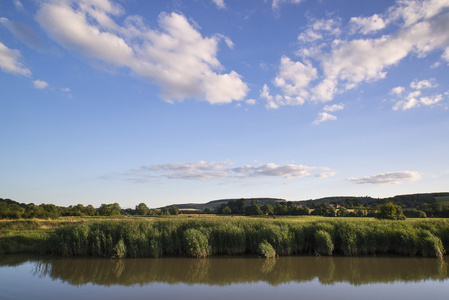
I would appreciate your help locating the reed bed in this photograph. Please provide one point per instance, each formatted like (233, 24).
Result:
(237, 236)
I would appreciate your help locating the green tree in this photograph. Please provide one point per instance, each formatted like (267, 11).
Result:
(109, 209)
(253, 209)
(342, 211)
(174, 210)
(323, 209)
(165, 211)
(267, 209)
(142, 209)
(390, 211)
(90, 210)
(226, 211)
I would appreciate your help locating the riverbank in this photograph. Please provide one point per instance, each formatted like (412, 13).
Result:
(203, 237)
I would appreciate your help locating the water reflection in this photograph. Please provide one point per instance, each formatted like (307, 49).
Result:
(234, 270)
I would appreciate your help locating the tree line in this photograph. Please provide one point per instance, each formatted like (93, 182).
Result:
(411, 206)
(10, 209)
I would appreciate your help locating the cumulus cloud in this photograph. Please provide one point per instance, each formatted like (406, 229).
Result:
(415, 97)
(294, 77)
(339, 64)
(175, 56)
(388, 178)
(40, 84)
(220, 3)
(202, 170)
(10, 61)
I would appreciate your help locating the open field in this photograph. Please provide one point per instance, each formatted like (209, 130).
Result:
(206, 235)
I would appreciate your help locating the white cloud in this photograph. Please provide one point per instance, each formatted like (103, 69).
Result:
(276, 3)
(39, 84)
(220, 3)
(397, 90)
(323, 117)
(273, 170)
(388, 178)
(202, 170)
(415, 98)
(430, 100)
(176, 56)
(335, 107)
(367, 25)
(199, 170)
(319, 29)
(294, 77)
(10, 61)
(251, 101)
(445, 55)
(423, 84)
(343, 64)
(435, 65)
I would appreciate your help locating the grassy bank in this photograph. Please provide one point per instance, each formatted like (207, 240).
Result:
(202, 237)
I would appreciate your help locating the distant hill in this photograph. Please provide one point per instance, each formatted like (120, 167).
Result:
(409, 201)
(333, 199)
(216, 203)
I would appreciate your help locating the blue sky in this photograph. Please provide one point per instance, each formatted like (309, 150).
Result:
(168, 102)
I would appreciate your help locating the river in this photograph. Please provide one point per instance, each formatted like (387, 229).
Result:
(296, 277)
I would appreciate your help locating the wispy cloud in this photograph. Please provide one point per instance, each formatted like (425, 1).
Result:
(18, 5)
(174, 56)
(388, 178)
(201, 170)
(277, 3)
(24, 33)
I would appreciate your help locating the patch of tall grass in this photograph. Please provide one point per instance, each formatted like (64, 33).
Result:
(235, 236)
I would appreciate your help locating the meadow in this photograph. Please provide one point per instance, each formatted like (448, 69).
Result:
(203, 236)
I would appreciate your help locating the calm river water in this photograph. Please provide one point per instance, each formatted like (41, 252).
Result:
(25, 277)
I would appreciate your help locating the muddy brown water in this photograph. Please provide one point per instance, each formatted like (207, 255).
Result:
(301, 277)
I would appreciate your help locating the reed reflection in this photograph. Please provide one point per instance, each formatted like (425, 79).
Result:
(233, 270)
